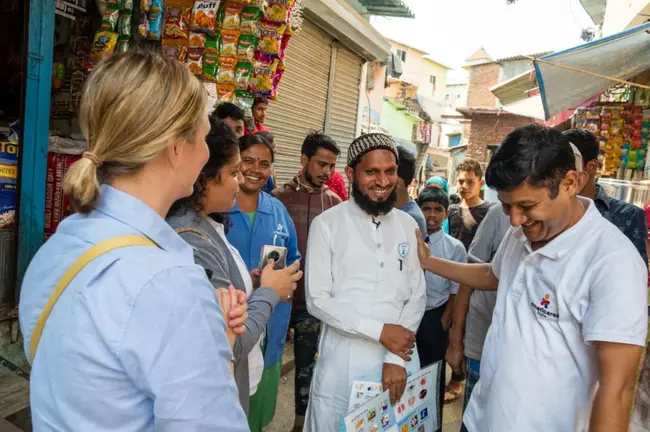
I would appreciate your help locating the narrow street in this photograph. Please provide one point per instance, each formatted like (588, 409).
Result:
(283, 420)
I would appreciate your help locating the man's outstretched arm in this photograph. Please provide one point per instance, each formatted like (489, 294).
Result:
(477, 276)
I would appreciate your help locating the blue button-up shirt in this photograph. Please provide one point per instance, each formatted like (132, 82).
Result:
(137, 341)
(438, 288)
(630, 219)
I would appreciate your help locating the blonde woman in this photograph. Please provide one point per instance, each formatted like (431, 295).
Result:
(137, 340)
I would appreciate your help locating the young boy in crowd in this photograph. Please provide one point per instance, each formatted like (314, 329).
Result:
(432, 336)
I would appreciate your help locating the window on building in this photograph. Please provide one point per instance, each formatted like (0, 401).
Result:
(447, 97)
(401, 54)
(454, 140)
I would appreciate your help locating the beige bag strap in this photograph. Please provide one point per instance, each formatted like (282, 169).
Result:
(198, 232)
(88, 256)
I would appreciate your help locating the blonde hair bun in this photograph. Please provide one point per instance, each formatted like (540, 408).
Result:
(132, 106)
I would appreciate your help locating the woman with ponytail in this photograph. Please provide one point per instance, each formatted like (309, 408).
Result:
(123, 330)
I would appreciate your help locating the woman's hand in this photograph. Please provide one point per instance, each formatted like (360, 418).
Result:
(235, 311)
(423, 249)
(283, 282)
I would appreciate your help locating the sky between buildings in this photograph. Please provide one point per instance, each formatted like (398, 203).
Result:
(451, 30)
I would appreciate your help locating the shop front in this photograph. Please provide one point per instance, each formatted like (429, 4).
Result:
(320, 89)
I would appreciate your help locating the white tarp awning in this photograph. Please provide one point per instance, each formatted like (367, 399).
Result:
(621, 56)
(528, 107)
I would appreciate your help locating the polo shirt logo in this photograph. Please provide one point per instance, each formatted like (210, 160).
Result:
(542, 309)
(403, 249)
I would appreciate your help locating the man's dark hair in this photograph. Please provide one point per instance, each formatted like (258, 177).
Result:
(538, 155)
(259, 100)
(248, 141)
(228, 110)
(405, 165)
(586, 142)
(435, 195)
(268, 136)
(316, 140)
(470, 165)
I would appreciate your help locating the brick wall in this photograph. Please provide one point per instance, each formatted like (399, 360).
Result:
(487, 129)
(482, 77)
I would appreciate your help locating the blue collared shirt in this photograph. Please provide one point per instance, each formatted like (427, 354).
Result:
(630, 219)
(272, 226)
(413, 209)
(438, 288)
(137, 341)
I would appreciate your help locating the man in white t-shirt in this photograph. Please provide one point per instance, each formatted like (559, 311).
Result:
(571, 309)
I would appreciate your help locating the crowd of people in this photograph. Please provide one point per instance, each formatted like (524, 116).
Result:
(153, 307)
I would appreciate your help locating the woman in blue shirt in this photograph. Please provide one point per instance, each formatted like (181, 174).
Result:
(259, 219)
(137, 340)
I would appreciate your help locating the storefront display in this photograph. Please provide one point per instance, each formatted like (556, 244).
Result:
(623, 134)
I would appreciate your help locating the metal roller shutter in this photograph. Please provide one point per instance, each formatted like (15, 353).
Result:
(342, 121)
(302, 99)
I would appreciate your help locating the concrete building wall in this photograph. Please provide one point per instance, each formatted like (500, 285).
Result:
(481, 78)
(371, 100)
(490, 129)
(426, 88)
(397, 122)
(623, 14)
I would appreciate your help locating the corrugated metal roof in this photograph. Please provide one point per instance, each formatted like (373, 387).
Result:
(595, 9)
(523, 56)
(388, 8)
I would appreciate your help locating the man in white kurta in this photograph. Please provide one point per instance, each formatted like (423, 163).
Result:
(362, 274)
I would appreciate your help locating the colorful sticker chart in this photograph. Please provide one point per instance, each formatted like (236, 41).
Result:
(416, 411)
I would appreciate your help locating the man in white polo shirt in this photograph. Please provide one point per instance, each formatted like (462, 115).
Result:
(571, 306)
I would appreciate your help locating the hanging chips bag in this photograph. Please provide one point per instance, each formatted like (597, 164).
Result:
(195, 53)
(124, 25)
(242, 75)
(270, 38)
(123, 45)
(226, 72)
(246, 48)
(249, 21)
(155, 20)
(177, 19)
(231, 16)
(109, 18)
(103, 46)
(204, 17)
(145, 6)
(175, 49)
(264, 69)
(244, 100)
(211, 59)
(229, 39)
(225, 92)
(143, 27)
(278, 10)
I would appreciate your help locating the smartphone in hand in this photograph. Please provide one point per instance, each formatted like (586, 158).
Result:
(276, 253)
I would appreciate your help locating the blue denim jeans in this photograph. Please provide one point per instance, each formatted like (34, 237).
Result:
(473, 372)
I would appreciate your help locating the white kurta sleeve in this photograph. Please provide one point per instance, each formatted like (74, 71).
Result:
(318, 289)
(413, 309)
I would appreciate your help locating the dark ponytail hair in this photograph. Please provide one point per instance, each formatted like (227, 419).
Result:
(223, 145)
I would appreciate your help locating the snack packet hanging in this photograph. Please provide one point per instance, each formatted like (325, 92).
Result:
(123, 45)
(231, 16)
(285, 42)
(242, 75)
(155, 20)
(143, 27)
(278, 10)
(177, 19)
(195, 53)
(264, 68)
(270, 38)
(127, 6)
(204, 17)
(109, 18)
(246, 48)
(124, 25)
(175, 49)
(211, 59)
(103, 46)
(226, 72)
(225, 92)
(249, 20)
(145, 6)
(115, 4)
(244, 100)
(229, 39)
